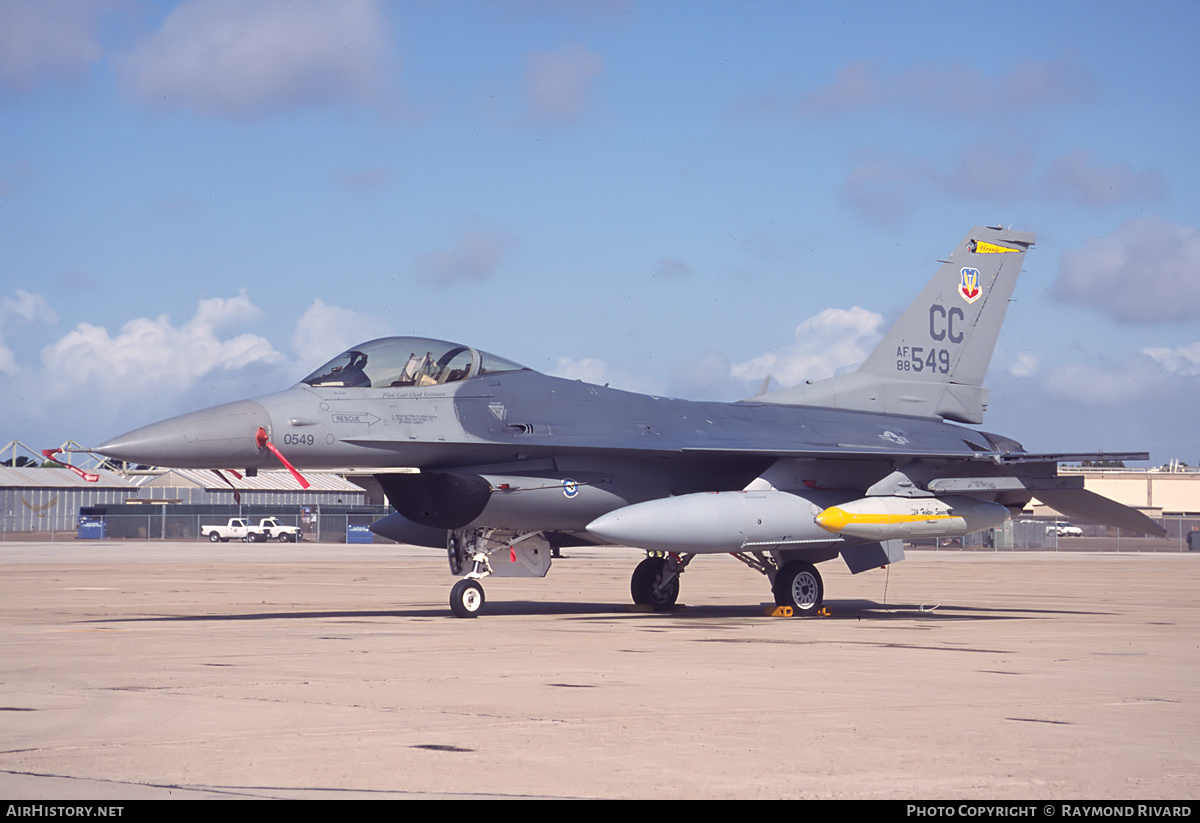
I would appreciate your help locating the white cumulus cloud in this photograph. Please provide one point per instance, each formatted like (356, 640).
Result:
(150, 356)
(825, 344)
(94, 383)
(324, 331)
(1181, 360)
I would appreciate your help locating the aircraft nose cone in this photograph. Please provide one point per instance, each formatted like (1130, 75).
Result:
(220, 437)
(650, 525)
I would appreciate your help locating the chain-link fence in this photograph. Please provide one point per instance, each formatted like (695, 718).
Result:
(160, 523)
(1048, 534)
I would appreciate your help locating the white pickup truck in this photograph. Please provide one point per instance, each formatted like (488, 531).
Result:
(270, 528)
(235, 529)
(239, 528)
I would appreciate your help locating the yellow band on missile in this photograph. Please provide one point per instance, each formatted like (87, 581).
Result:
(990, 248)
(835, 519)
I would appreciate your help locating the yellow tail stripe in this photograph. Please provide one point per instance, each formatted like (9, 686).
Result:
(991, 248)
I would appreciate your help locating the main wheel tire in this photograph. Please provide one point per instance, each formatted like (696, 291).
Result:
(466, 598)
(645, 588)
(798, 584)
(213, 537)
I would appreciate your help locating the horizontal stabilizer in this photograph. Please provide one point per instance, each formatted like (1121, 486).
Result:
(1070, 457)
(1089, 507)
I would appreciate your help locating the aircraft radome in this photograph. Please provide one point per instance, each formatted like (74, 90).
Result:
(513, 463)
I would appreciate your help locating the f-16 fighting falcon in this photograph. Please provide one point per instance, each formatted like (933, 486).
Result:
(514, 464)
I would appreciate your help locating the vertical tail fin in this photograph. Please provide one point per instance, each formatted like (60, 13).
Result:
(933, 361)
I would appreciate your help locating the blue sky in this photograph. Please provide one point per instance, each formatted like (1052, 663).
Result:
(204, 200)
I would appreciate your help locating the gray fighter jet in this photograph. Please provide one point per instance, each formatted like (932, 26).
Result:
(514, 464)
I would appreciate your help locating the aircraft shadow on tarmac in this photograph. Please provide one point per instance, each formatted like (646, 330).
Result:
(838, 610)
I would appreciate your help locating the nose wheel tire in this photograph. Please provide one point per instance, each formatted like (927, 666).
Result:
(466, 598)
(798, 584)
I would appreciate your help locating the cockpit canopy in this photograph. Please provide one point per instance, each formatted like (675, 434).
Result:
(407, 361)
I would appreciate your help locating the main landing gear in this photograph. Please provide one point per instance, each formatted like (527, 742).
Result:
(797, 583)
(794, 583)
(655, 581)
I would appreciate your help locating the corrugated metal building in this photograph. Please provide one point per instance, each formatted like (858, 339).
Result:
(49, 500)
(268, 488)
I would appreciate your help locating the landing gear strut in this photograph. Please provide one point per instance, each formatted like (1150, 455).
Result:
(470, 554)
